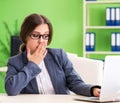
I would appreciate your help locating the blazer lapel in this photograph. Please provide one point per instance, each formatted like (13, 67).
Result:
(50, 65)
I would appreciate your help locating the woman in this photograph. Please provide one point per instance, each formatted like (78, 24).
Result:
(41, 70)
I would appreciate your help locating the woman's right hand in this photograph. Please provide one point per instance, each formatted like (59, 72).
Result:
(38, 55)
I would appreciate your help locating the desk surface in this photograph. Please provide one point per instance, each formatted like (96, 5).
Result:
(40, 99)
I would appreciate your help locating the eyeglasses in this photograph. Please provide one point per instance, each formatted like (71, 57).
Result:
(38, 36)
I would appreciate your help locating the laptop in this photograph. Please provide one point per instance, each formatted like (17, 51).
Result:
(110, 89)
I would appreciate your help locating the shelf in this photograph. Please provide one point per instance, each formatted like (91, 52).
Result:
(102, 27)
(102, 52)
(103, 2)
(96, 10)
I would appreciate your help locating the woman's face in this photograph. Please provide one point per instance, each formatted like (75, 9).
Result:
(32, 43)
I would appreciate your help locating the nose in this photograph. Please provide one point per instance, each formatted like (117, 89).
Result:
(40, 40)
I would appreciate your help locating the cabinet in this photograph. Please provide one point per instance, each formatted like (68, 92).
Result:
(94, 20)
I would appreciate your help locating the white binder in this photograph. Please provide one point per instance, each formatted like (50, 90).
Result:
(112, 15)
(117, 16)
(108, 16)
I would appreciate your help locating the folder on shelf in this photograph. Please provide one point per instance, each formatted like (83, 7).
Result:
(118, 42)
(117, 16)
(87, 40)
(112, 16)
(90, 41)
(113, 41)
(108, 16)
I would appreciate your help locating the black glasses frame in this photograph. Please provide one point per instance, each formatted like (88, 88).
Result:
(38, 36)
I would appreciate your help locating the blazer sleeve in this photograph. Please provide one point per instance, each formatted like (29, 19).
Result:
(74, 81)
(18, 77)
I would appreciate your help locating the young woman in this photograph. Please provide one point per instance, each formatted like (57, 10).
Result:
(41, 70)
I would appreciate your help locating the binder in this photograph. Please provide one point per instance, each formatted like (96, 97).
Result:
(113, 41)
(117, 16)
(108, 12)
(90, 41)
(112, 17)
(118, 42)
(87, 41)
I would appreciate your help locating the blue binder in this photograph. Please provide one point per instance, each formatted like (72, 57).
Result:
(90, 41)
(87, 41)
(118, 41)
(117, 16)
(108, 16)
(112, 16)
(113, 42)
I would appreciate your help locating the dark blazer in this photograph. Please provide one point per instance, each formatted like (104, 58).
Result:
(21, 73)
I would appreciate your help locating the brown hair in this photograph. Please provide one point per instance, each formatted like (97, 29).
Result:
(29, 24)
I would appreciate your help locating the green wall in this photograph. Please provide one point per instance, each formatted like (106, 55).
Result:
(65, 15)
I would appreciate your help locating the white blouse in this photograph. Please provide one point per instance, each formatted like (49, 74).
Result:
(43, 81)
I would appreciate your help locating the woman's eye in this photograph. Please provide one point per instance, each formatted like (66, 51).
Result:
(35, 35)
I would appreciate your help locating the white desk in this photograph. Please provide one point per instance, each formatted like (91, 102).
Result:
(40, 99)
